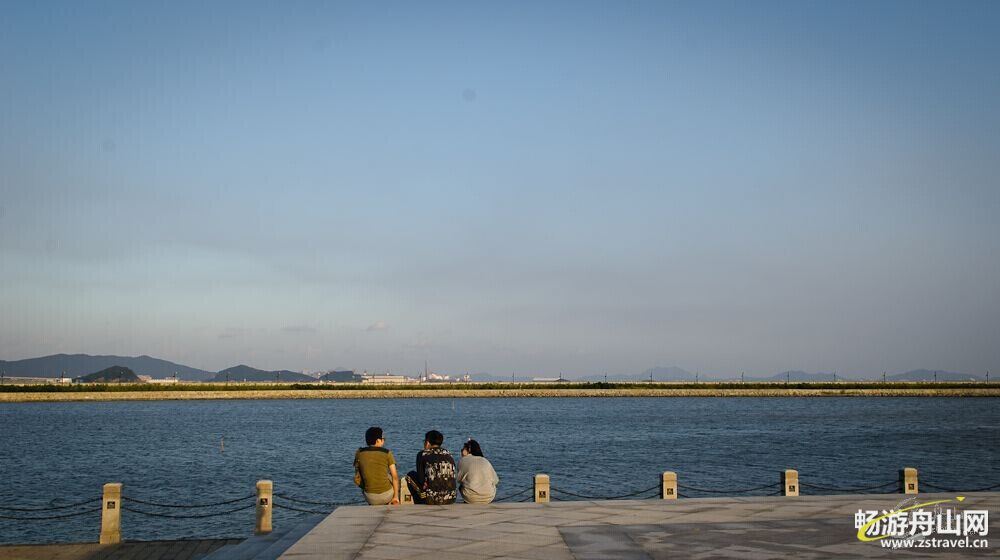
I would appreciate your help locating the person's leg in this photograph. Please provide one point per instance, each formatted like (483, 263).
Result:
(473, 498)
(415, 490)
(380, 499)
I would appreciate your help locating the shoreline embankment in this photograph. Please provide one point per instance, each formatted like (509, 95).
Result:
(11, 394)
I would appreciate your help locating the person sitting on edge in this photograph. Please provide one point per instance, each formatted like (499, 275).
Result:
(375, 470)
(433, 482)
(477, 481)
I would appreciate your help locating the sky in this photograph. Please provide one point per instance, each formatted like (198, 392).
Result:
(531, 187)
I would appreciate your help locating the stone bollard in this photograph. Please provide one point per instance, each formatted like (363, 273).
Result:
(790, 482)
(668, 486)
(111, 514)
(405, 498)
(541, 488)
(265, 501)
(908, 481)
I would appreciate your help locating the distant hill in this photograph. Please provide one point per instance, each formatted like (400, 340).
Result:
(797, 375)
(243, 372)
(76, 365)
(928, 375)
(672, 373)
(113, 374)
(341, 376)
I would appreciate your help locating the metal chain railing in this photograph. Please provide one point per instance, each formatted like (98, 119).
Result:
(858, 489)
(51, 517)
(514, 495)
(186, 506)
(52, 508)
(741, 491)
(64, 511)
(300, 510)
(316, 503)
(943, 489)
(555, 490)
(193, 516)
(33, 510)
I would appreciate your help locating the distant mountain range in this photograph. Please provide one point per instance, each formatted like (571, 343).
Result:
(930, 375)
(76, 365)
(247, 373)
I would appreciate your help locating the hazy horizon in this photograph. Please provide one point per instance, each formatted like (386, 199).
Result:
(544, 187)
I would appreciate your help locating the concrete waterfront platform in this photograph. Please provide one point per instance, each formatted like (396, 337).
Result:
(745, 528)
(141, 550)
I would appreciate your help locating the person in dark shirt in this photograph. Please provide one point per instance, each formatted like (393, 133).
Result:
(433, 482)
(375, 470)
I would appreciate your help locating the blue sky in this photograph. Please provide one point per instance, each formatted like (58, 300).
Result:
(537, 187)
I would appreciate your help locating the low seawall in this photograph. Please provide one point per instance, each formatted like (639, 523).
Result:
(394, 393)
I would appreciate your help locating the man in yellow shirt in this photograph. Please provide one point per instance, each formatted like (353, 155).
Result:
(375, 470)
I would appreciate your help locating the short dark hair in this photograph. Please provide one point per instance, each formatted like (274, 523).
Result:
(473, 447)
(372, 435)
(434, 437)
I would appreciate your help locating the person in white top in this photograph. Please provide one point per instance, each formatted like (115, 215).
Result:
(477, 481)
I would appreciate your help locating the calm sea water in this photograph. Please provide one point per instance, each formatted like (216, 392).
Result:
(171, 451)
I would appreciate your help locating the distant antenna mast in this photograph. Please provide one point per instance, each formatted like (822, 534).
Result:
(741, 376)
(883, 376)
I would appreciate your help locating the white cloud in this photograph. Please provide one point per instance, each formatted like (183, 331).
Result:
(377, 326)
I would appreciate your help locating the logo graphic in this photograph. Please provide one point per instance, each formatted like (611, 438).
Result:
(913, 525)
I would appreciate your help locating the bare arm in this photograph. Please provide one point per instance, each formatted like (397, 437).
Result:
(395, 484)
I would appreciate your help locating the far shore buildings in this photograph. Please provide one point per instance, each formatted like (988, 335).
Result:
(386, 379)
(36, 380)
(150, 379)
